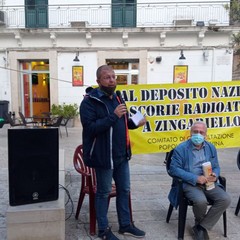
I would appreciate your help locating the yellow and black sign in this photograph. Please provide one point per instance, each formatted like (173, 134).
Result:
(171, 109)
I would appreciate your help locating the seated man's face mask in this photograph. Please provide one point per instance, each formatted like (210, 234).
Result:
(197, 138)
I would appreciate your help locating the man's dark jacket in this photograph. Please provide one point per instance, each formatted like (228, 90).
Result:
(97, 124)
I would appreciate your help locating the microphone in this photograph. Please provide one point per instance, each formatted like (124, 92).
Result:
(119, 95)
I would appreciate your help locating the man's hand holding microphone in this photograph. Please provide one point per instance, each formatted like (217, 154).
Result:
(121, 109)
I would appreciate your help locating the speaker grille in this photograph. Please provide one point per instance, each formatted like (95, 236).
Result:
(33, 163)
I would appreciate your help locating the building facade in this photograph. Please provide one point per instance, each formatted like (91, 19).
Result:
(147, 43)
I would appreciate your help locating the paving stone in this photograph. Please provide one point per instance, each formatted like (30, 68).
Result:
(150, 185)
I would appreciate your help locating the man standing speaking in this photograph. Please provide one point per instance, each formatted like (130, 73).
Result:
(106, 148)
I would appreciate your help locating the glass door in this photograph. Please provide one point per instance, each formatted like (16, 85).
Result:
(35, 94)
(27, 94)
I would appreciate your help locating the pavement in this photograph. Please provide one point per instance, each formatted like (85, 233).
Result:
(150, 185)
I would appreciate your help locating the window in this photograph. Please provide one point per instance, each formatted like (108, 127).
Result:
(126, 70)
(36, 13)
(123, 13)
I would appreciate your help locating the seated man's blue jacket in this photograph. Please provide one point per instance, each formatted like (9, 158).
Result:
(181, 166)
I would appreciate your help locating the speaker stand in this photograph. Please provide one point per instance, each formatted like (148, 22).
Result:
(45, 220)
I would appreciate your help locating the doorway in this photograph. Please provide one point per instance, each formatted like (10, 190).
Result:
(35, 89)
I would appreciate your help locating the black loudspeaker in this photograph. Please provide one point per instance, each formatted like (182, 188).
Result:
(33, 165)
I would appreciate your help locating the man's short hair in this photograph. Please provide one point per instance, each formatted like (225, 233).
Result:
(199, 122)
(101, 68)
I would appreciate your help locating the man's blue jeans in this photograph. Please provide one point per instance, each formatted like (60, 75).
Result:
(121, 176)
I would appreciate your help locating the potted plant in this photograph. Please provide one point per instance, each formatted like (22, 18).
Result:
(68, 111)
(56, 110)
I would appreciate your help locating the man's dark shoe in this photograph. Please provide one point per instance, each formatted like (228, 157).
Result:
(107, 235)
(131, 230)
(200, 233)
(206, 237)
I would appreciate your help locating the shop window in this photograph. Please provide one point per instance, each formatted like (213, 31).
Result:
(126, 70)
(134, 79)
(122, 79)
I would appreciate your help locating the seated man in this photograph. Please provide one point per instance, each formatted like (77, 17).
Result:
(187, 160)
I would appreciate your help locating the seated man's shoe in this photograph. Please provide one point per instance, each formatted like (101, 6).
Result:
(206, 237)
(131, 230)
(107, 235)
(200, 233)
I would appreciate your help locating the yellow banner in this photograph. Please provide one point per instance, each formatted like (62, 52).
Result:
(171, 109)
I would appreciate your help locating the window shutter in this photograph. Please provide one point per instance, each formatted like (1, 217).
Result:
(36, 13)
(130, 15)
(124, 13)
(117, 14)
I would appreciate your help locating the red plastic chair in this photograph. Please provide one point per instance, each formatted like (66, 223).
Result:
(88, 186)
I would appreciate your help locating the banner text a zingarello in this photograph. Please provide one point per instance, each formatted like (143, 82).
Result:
(171, 109)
